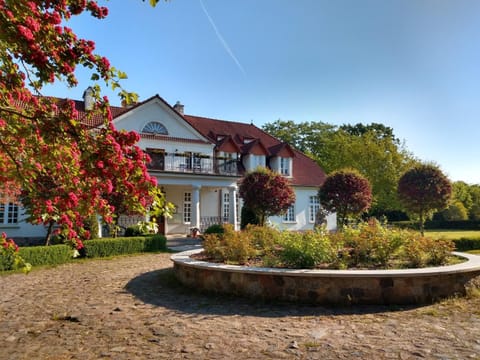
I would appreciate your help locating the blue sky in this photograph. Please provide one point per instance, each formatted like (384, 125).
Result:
(413, 65)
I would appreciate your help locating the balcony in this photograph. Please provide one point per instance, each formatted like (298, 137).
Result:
(195, 164)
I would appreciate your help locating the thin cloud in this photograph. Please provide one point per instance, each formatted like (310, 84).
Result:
(222, 40)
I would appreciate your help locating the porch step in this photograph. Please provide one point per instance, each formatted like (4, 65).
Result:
(183, 243)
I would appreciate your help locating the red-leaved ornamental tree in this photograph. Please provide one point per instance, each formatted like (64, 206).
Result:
(423, 190)
(64, 170)
(266, 193)
(346, 193)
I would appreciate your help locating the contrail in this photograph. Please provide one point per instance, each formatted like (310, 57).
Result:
(222, 40)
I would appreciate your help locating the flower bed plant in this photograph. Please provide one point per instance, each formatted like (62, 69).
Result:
(9, 256)
(368, 245)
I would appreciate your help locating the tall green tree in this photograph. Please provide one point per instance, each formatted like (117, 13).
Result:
(474, 211)
(309, 137)
(379, 130)
(423, 190)
(371, 149)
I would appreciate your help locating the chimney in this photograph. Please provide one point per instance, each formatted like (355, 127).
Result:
(88, 99)
(178, 107)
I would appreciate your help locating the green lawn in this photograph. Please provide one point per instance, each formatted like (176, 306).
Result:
(452, 234)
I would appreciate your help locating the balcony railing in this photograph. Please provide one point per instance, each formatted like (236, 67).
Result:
(207, 221)
(193, 164)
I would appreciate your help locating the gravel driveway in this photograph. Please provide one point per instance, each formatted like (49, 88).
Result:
(133, 308)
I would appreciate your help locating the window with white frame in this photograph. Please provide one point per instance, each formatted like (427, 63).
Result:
(258, 160)
(226, 206)
(285, 166)
(187, 207)
(8, 213)
(289, 215)
(313, 207)
(155, 127)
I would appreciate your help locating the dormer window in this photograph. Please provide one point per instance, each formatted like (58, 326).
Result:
(285, 166)
(156, 128)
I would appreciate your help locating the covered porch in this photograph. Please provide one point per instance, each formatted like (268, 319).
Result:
(199, 203)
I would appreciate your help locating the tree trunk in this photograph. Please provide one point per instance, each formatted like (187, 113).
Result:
(261, 218)
(422, 223)
(49, 233)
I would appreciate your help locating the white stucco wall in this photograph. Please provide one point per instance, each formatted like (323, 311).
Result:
(22, 228)
(302, 202)
(157, 111)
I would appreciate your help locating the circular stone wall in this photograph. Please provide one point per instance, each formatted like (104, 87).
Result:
(406, 286)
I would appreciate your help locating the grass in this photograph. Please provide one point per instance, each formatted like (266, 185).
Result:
(452, 234)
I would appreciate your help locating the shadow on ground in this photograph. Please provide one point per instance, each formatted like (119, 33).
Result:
(161, 288)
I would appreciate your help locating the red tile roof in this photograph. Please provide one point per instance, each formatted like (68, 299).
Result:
(306, 172)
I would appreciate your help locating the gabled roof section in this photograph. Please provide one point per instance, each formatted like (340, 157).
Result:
(282, 149)
(226, 144)
(254, 147)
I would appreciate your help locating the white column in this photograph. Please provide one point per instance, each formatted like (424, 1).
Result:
(240, 206)
(195, 220)
(232, 211)
(99, 226)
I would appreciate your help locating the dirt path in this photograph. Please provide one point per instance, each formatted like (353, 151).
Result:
(132, 308)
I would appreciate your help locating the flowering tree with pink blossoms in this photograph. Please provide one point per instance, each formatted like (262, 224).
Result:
(62, 169)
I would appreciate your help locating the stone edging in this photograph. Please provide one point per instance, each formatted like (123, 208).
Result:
(400, 286)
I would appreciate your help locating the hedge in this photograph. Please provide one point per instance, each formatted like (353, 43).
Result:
(125, 245)
(46, 255)
(467, 244)
(453, 225)
(439, 224)
(60, 254)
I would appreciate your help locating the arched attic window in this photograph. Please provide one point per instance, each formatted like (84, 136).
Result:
(154, 127)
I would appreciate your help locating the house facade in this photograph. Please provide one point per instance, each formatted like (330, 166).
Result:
(198, 163)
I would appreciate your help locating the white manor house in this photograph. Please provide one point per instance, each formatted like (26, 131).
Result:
(198, 163)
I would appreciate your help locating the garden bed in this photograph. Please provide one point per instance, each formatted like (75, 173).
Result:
(334, 287)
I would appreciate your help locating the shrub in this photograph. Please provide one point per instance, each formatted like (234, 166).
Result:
(133, 231)
(10, 259)
(47, 255)
(264, 239)
(306, 250)
(422, 251)
(439, 250)
(231, 246)
(365, 245)
(214, 229)
(373, 243)
(248, 217)
(142, 228)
